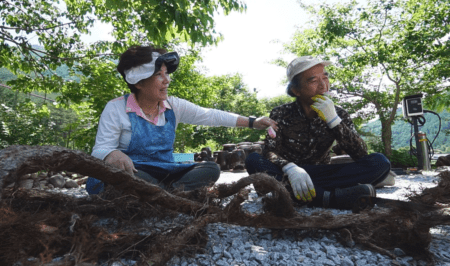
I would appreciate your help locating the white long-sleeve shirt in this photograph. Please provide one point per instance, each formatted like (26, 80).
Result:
(114, 129)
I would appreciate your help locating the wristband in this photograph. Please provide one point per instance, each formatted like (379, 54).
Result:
(251, 119)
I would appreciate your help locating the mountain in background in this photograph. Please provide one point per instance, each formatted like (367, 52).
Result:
(402, 130)
(62, 71)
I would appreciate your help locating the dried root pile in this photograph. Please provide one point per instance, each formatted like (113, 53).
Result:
(134, 219)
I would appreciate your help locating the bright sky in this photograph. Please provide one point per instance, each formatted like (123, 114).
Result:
(252, 40)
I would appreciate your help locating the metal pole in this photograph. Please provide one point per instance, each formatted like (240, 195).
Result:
(418, 146)
(425, 153)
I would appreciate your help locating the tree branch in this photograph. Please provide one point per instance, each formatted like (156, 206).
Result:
(37, 29)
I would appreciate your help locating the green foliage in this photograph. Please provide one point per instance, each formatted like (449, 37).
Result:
(34, 121)
(94, 88)
(271, 103)
(24, 127)
(400, 158)
(383, 50)
(83, 76)
(211, 143)
(6, 75)
(227, 93)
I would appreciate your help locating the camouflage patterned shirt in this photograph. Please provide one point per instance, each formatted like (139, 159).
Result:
(306, 141)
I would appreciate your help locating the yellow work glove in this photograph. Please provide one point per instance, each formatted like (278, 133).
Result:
(301, 182)
(324, 107)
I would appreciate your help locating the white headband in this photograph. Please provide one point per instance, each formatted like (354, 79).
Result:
(136, 74)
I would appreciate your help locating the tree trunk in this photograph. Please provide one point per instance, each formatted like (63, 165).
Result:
(386, 137)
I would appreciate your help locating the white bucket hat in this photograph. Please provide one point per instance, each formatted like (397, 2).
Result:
(301, 64)
(136, 74)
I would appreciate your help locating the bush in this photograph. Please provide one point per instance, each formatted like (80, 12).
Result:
(401, 158)
(374, 144)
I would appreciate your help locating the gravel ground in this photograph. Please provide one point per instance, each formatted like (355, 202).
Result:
(238, 245)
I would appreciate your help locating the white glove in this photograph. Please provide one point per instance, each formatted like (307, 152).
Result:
(324, 107)
(300, 182)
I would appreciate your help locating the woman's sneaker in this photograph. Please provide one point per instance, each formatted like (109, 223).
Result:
(345, 198)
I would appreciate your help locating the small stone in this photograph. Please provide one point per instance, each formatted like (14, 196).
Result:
(325, 261)
(246, 256)
(26, 184)
(342, 252)
(408, 261)
(217, 249)
(242, 249)
(347, 262)
(399, 252)
(57, 181)
(312, 255)
(395, 262)
(381, 257)
(315, 247)
(331, 251)
(222, 262)
(205, 262)
(217, 256)
(227, 254)
(283, 263)
(236, 254)
(70, 183)
(27, 176)
(42, 175)
(176, 260)
(261, 258)
(236, 243)
(36, 184)
(336, 259)
(361, 262)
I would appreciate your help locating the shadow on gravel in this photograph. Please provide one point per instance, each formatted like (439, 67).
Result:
(138, 220)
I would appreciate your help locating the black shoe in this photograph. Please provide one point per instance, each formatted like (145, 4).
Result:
(345, 198)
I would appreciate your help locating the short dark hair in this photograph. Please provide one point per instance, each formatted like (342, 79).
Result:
(135, 56)
(294, 85)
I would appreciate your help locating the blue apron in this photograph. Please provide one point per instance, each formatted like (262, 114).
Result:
(150, 149)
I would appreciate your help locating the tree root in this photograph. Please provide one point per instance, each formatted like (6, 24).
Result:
(42, 225)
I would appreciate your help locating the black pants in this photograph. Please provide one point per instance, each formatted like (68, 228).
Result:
(371, 169)
(199, 175)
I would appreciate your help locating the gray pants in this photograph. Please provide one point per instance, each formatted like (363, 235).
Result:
(200, 175)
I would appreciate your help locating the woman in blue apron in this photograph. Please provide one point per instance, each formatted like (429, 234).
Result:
(137, 131)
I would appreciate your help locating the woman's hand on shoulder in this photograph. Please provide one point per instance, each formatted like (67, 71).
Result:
(264, 122)
(120, 160)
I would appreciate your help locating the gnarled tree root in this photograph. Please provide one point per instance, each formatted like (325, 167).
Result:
(378, 229)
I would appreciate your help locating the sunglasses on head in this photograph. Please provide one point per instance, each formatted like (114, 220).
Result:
(171, 60)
